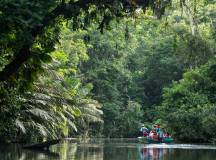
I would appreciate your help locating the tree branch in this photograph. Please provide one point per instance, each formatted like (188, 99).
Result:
(25, 52)
(68, 10)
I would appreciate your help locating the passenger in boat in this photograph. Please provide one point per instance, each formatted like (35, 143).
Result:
(157, 128)
(167, 135)
(154, 127)
(144, 130)
(153, 135)
(161, 135)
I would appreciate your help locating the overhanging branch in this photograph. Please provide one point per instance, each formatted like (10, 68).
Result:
(25, 52)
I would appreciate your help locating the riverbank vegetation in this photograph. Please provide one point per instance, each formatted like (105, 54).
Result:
(102, 68)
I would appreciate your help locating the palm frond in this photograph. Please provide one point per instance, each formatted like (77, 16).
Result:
(20, 125)
(40, 113)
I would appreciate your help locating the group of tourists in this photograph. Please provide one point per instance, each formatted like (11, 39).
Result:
(156, 133)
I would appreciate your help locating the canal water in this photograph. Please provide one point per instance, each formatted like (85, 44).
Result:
(112, 149)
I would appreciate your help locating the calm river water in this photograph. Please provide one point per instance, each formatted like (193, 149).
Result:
(114, 149)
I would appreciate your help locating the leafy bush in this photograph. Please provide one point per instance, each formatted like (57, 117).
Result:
(189, 105)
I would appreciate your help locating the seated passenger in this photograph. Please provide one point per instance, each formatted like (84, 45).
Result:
(153, 135)
(144, 130)
(167, 135)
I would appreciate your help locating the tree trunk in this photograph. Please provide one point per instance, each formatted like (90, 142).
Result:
(17, 62)
(191, 16)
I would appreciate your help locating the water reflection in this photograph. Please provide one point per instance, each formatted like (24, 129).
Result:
(15, 152)
(104, 150)
(154, 153)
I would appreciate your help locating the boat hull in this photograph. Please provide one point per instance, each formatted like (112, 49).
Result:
(149, 140)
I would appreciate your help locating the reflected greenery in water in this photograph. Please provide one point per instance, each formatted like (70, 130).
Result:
(107, 151)
(15, 152)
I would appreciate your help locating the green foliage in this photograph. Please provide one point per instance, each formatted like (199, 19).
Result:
(10, 102)
(189, 105)
(57, 103)
(59, 76)
(130, 119)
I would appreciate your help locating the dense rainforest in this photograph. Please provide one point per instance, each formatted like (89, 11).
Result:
(85, 68)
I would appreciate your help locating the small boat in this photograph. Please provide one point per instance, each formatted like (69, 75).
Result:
(150, 140)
